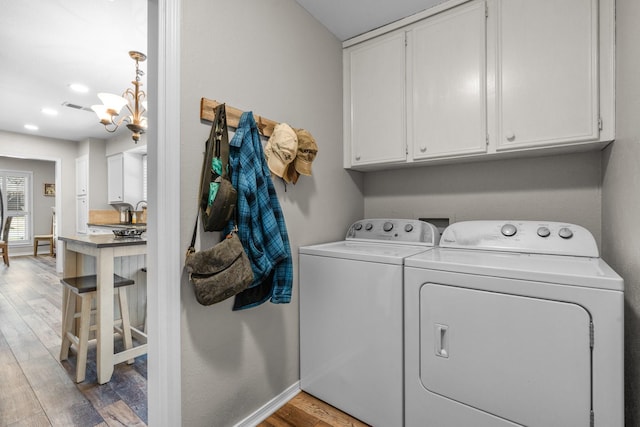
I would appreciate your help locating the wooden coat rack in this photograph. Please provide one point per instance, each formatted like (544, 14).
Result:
(265, 126)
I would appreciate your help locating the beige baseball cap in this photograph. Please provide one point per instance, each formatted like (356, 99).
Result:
(306, 153)
(281, 149)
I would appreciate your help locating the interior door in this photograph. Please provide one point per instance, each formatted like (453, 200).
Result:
(524, 359)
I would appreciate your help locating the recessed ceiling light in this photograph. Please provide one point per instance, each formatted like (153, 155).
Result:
(49, 111)
(77, 87)
(30, 127)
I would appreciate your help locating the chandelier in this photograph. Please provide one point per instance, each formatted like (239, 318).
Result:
(133, 98)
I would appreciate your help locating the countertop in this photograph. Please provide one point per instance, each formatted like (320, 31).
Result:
(119, 225)
(104, 240)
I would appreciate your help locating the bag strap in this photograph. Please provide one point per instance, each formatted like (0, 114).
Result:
(221, 136)
(192, 247)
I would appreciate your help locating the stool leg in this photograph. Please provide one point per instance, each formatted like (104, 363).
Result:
(126, 322)
(83, 336)
(35, 247)
(69, 309)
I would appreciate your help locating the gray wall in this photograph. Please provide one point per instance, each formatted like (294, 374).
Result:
(562, 188)
(271, 57)
(621, 194)
(43, 172)
(62, 151)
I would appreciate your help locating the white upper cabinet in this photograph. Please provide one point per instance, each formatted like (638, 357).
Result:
(82, 175)
(446, 97)
(481, 79)
(124, 183)
(547, 72)
(374, 108)
(115, 183)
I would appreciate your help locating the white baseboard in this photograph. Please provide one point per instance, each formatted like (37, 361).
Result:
(26, 250)
(270, 407)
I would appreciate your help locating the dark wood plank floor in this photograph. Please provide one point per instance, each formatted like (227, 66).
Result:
(305, 410)
(35, 388)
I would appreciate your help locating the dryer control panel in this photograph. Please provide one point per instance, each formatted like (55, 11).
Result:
(540, 237)
(408, 231)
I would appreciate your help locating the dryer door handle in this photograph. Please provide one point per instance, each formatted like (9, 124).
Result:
(442, 340)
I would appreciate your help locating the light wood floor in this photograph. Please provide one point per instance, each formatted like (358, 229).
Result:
(305, 410)
(35, 388)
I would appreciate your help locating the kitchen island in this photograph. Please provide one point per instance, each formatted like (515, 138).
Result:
(104, 249)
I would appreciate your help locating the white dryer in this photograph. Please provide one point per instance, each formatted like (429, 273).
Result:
(351, 318)
(513, 323)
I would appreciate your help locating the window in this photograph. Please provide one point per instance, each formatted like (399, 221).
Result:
(16, 193)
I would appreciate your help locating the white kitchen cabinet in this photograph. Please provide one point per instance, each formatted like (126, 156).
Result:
(82, 175)
(483, 79)
(547, 80)
(124, 183)
(374, 80)
(82, 214)
(446, 96)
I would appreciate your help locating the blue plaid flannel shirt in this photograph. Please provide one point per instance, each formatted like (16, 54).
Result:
(261, 225)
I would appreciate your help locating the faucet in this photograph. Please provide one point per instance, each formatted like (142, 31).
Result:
(138, 204)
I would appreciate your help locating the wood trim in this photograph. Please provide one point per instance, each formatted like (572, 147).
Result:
(265, 126)
(165, 249)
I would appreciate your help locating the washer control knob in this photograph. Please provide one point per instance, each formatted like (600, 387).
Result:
(368, 227)
(387, 226)
(544, 232)
(358, 227)
(509, 230)
(408, 228)
(565, 233)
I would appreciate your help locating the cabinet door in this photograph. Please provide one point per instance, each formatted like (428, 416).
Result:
(374, 101)
(547, 72)
(447, 81)
(115, 171)
(82, 214)
(82, 175)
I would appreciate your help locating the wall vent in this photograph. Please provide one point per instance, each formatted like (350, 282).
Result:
(76, 106)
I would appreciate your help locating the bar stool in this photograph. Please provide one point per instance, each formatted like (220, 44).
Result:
(85, 287)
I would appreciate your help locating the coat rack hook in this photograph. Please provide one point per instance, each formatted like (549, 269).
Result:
(265, 126)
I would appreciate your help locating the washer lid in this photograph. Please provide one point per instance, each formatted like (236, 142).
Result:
(365, 251)
(568, 270)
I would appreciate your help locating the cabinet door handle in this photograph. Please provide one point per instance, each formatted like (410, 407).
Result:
(423, 149)
(357, 157)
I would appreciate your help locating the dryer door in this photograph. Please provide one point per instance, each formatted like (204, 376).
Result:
(524, 359)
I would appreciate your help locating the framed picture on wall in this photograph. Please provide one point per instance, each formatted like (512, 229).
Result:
(49, 189)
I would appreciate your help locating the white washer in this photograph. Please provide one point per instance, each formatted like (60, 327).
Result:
(513, 323)
(351, 318)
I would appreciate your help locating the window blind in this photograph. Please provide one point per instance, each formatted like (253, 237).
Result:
(16, 188)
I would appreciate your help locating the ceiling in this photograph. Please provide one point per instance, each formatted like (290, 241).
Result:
(47, 45)
(349, 18)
